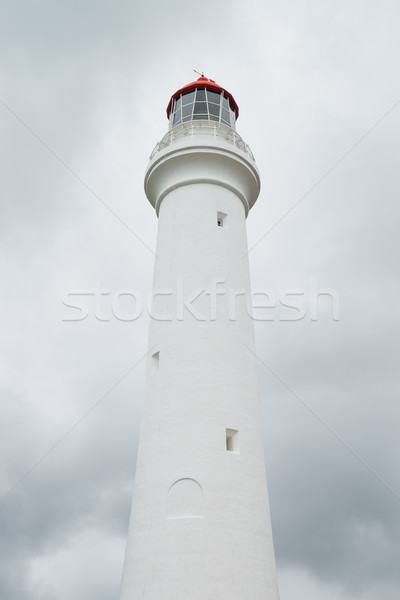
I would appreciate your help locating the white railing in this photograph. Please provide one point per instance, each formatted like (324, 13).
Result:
(202, 127)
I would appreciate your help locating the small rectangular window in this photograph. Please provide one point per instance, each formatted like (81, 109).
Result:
(221, 219)
(155, 361)
(232, 440)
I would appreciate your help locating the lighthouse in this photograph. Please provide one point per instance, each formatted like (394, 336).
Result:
(200, 525)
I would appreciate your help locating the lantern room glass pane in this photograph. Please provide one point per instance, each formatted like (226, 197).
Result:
(225, 102)
(177, 117)
(187, 98)
(201, 96)
(225, 117)
(214, 110)
(213, 97)
(200, 108)
(187, 110)
(177, 104)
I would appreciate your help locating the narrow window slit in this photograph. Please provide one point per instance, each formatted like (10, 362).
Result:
(232, 440)
(155, 361)
(221, 219)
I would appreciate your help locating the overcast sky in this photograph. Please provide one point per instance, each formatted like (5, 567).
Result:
(83, 91)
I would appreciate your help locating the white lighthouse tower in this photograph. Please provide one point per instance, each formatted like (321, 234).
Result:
(200, 524)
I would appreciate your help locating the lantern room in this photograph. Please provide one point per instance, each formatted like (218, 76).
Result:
(202, 99)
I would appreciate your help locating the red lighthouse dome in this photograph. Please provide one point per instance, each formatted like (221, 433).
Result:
(202, 99)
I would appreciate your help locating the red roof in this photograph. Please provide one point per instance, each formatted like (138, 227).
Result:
(208, 84)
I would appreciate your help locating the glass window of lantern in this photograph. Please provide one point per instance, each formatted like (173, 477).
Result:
(177, 117)
(214, 97)
(202, 104)
(225, 117)
(188, 98)
(225, 102)
(201, 96)
(177, 104)
(187, 110)
(200, 108)
(214, 111)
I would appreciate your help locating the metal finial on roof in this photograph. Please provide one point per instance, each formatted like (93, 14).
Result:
(198, 73)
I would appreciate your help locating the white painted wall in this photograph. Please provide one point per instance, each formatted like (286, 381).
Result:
(200, 524)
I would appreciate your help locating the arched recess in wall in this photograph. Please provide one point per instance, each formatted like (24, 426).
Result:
(185, 499)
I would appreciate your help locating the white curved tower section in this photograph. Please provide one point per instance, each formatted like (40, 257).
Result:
(200, 523)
